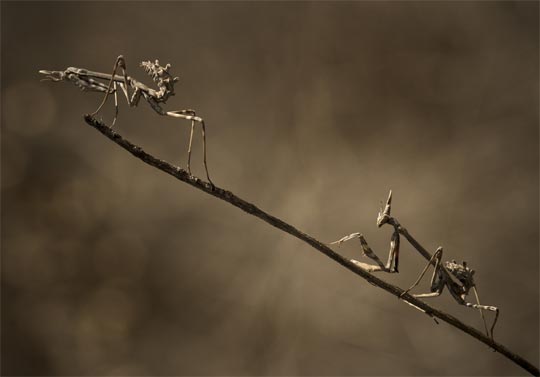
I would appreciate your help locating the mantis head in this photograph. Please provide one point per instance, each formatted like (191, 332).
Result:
(384, 214)
(53, 75)
(463, 273)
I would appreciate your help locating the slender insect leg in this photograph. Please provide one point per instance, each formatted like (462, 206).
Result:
(486, 307)
(189, 147)
(190, 115)
(433, 294)
(481, 311)
(428, 295)
(203, 128)
(434, 284)
(115, 105)
(119, 61)
(131, 100)
(345, 239)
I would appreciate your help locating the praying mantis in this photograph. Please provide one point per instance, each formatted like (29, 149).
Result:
(88, 80)
(457, 277)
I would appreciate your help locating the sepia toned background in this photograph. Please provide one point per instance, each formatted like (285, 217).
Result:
(314, 111)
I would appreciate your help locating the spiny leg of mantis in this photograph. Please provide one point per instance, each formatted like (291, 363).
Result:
(392, 255)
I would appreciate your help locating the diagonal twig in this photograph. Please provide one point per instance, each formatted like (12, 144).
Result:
(250, 208)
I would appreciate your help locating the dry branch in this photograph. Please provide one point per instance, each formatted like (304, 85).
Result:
(229, 197)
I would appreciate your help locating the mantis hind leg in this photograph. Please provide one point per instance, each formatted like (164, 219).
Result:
(190, 115)
(437, 282)
(115, 104)
(482, 308)
(189, 147)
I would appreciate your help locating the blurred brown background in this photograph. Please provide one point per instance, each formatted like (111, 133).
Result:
(314, 111)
